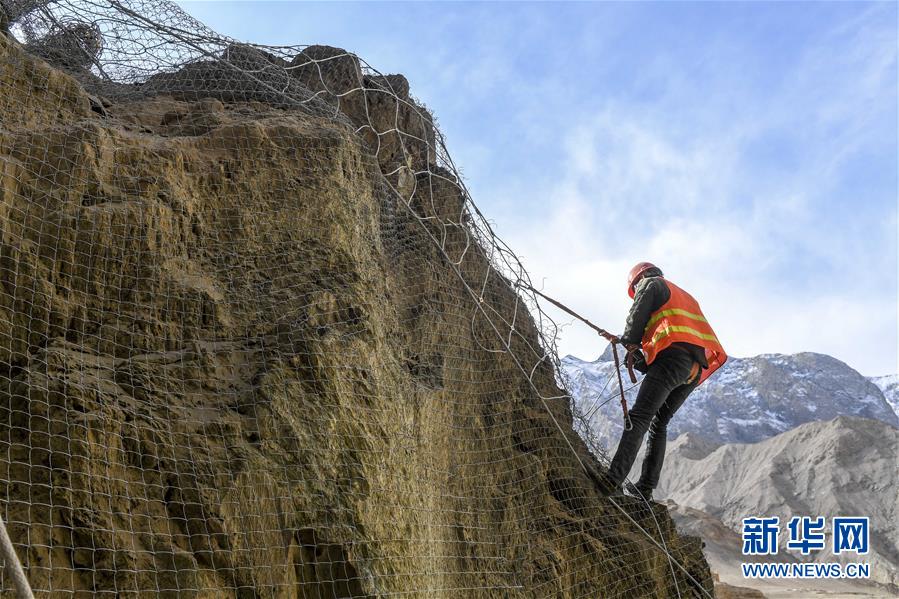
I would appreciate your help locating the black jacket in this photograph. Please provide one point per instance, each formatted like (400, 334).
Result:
(650, 294)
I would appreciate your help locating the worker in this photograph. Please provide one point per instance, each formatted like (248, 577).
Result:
(673, 344)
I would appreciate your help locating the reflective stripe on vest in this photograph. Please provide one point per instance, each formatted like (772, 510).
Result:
(680, 320)
(682, 329)
(672, 311)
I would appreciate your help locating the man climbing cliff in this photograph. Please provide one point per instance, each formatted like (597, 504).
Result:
(674, 345)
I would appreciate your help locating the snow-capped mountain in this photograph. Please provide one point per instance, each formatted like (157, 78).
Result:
(889, 385)
(748, 400)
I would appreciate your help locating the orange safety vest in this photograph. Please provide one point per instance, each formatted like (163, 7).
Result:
(680, 320)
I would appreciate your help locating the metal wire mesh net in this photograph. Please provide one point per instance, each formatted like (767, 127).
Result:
(256, 339)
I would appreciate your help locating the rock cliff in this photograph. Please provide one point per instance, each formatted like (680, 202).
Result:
(251, 349)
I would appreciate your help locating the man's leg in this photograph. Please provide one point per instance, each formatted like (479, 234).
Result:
(658, 437)
(665, 374)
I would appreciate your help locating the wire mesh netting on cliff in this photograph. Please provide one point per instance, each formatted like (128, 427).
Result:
(256, 340)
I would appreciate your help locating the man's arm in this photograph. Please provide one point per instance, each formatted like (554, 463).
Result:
(650, 294)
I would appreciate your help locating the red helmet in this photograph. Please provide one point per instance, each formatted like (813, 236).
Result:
(636, 274)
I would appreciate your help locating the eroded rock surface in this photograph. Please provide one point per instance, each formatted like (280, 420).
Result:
(233, 363)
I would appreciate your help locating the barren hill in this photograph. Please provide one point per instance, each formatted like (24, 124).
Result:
(842, 467)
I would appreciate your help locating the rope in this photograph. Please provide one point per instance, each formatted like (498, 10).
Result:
(628, 425)
(630, 366)
(12, 564)
(612, 338)
(479, 305)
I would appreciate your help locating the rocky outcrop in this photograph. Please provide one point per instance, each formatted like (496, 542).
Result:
(234, 362)
(239, 73)
(324, 80)
(73, 45)
(399, 131)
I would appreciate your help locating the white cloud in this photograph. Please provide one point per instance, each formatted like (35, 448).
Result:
(772, 271)
(723, 265)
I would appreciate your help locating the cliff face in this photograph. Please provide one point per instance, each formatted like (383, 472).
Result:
(235, 361)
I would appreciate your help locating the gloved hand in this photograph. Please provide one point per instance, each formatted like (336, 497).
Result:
(640, 361)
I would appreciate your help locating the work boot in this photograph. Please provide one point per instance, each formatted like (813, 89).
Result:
(608, 487)
(644, 493)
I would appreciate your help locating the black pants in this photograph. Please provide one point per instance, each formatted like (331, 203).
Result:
(665, 387)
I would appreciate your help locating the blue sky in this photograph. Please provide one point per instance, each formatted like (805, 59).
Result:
(750, 149)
